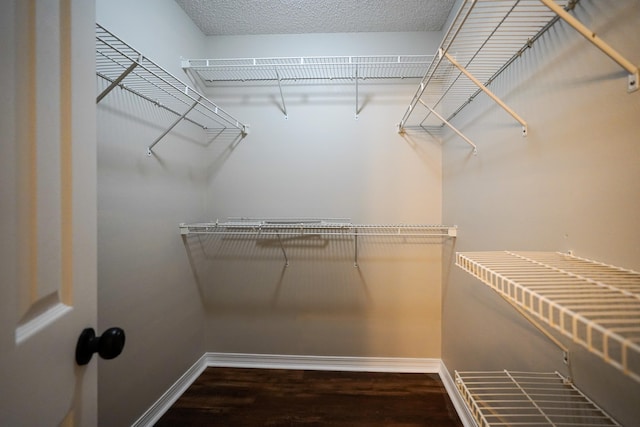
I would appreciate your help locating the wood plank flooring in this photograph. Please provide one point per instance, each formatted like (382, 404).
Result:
(275, 397)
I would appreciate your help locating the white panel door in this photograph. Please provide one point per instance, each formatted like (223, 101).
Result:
(47, 211)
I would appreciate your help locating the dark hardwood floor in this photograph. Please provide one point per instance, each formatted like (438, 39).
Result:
(273, 397)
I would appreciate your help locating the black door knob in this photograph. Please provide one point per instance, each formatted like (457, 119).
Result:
(108, 345)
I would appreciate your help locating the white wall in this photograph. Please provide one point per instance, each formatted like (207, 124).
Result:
(572, 184)
(318, 44)
(160, 30)
(178, 300)
(322, 162)
(145, 283)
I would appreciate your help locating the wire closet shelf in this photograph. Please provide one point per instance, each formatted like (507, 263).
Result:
(213, 71)
(306, 70)
(595, 304)
(483, 39)
(306, 226)
(508, 398)
(120, 65)
(288, 228)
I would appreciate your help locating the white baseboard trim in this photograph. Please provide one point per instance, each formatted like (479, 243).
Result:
(456, 398)
(162, 405)
(328, 363)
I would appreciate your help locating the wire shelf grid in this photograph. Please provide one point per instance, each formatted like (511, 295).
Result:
(595, 304)
(508, 398)
(484, 37)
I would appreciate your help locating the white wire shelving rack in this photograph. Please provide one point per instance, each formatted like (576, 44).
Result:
(301, 68)
(484, 38)
(508, 398)
(120, 65)
(310, 227)
(355, 69)
(595, 304)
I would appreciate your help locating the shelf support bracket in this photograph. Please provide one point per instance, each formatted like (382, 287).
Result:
(486, 90)
(546, 333)
(632, 69)
(355, 259)
(117, 81)
(284, 107)
(452, 127)
(174, 124)
(286, 259)
(356, 91)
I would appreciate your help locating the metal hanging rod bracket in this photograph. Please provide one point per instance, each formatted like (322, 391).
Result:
(591, 36)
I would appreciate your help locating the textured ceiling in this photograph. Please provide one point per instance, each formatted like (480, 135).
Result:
(235, 17)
